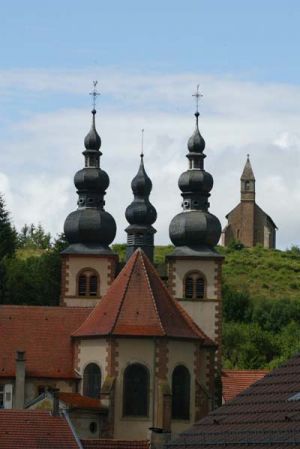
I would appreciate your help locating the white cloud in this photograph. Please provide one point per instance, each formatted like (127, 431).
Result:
(41, 152)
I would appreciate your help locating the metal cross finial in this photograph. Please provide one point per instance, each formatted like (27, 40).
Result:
(94, 94)
(197, 95)
(142, 144)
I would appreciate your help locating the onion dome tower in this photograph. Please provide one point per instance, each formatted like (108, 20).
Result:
(140, 215)
(195, 267)
(90, 229)
(195, 230)
(89, 265)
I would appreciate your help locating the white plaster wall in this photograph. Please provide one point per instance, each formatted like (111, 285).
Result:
(133, 351)
(203, 313)
(31, 386)
(183, 353)
(76, 264)
(92, 351)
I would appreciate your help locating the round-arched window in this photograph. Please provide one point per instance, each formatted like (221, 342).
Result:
(136, 390)
(181, 381)
(194, 286)
(92, 381)
(88, 283)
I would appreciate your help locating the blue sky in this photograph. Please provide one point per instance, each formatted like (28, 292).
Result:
(257, 38)
(148, 58)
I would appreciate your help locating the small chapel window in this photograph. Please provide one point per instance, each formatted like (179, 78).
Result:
(88, 283)
(181, 381)
(194, 286)
(92, 381)
(136, 390)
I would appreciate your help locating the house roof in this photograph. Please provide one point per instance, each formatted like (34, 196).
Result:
(35, 429)
(138, 304)
(44, 333)
(115, 444)
(76, 400)
(236, 381)
(265, 415)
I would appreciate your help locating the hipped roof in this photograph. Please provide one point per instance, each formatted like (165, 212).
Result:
(138, 304)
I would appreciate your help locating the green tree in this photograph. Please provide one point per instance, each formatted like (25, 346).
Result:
(7, 245)
(32, 236)
(7, 233)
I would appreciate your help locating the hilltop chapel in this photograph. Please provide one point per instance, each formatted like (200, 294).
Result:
(247, 222)
(124, 352)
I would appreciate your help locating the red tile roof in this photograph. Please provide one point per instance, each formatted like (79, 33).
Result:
(265, 415)
(32, 429)
(76, 400)
(44, 333)
(138, 304)
(235, 381)
(115, 444)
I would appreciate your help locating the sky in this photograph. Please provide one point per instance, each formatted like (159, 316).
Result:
(148, 58)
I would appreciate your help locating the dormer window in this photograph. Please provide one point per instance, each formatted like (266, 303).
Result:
(88, 283)
(194, 286)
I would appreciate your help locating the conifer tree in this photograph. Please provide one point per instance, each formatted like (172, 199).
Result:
(7, 233)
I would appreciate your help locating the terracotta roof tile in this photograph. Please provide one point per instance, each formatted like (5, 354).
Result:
(115, 444)
(44, 333)
(76, 400)
(32, 429)
(265, 415)
(138, 304)
(235, 381)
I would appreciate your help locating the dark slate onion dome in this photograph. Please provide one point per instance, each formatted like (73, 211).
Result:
(90, 229)
(195, 231)
(140, 215)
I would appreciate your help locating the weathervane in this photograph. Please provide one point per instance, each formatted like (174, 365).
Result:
(197, 95)
(94, 94)
(142, 144)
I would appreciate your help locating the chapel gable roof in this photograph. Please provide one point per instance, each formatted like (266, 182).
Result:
(138, 304)
(248, 174)
(44, 333)
(35, 429)
(265, 415)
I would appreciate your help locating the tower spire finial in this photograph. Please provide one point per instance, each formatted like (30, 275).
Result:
(94, 95)
(142, 144)
(197, 96)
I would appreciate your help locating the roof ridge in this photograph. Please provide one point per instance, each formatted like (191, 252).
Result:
(151, 292)
(124, 294)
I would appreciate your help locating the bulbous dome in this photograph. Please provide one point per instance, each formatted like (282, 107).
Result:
(195, 181)
(196, 143)
(141, 184)
(195, 229)
(92, 140)
(141, 213)
(90, 226)
(91, 179)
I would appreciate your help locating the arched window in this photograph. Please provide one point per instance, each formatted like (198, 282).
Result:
(181, 381)
(92, 381)
(136, 390)
(194, 286)
(88, 283)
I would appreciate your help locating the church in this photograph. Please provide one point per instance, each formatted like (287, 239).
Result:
(247, 222)
(125, 351)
